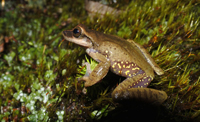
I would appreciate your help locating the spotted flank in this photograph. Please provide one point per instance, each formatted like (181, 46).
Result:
(142, 83)
(124, 68)
(136, 77)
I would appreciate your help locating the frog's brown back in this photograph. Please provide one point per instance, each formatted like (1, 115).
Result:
(132, 49)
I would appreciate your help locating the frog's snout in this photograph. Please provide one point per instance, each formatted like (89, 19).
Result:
(67, 33)
(64, 32)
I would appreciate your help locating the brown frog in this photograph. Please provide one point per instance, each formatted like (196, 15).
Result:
(123, 57)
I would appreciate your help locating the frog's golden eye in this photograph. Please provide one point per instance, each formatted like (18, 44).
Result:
(77, 32)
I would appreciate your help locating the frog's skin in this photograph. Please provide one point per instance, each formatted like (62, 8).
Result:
(123, 57)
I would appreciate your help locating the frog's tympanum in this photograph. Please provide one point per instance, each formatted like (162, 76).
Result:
(123, 57)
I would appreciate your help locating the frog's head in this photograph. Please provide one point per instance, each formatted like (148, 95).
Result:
(81, 35)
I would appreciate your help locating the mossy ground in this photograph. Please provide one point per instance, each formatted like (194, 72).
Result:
(39, 70)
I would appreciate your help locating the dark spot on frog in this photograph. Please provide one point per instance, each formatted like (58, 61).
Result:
(114, 48)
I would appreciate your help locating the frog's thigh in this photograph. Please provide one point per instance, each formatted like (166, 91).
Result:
(148, 95)
(141, 80)
(100, 70)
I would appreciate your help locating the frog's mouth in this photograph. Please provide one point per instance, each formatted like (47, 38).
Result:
(82, 41)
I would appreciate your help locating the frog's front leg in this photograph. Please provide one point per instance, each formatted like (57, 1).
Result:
(99, 71)
(88, 69)
(134, 89)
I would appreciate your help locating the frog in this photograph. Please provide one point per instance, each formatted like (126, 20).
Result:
(122, 57)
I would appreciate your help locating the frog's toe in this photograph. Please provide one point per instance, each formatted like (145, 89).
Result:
(88, 81)
(84, 91)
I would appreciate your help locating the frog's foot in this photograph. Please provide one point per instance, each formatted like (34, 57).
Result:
(132, 89)
(88, 81)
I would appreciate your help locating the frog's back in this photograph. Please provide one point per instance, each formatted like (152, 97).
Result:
(132, 51)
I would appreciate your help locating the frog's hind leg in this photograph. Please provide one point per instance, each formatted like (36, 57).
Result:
(134, 89)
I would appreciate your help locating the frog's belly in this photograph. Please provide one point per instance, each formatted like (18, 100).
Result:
(125, 68)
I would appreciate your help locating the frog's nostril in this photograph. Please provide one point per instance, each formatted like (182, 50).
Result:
(65, 32)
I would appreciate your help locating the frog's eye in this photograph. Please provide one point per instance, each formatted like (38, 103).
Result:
(77, 32)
